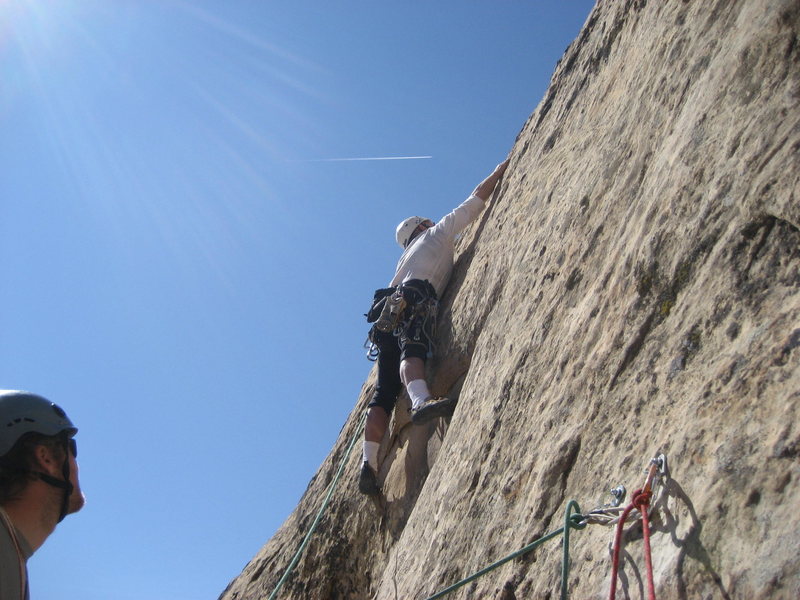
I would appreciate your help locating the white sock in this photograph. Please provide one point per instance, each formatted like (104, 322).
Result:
(371, 454)
(418, 392)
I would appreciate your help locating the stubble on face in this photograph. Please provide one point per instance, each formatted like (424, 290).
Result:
(77, 499)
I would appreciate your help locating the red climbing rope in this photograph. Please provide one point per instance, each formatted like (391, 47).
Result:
(617, 545)
(641, 502)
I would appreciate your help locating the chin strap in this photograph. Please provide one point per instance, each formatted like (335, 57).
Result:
(63, 484)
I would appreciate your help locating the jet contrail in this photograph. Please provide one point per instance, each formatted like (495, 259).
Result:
(370, 158)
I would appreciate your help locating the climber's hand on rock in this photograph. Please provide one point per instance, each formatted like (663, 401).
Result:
(486, 187)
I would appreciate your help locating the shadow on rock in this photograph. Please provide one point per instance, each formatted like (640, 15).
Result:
(411, 455)
(688, 541)
(684, 536)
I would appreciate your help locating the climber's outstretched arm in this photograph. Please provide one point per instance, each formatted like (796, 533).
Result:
(486, 187)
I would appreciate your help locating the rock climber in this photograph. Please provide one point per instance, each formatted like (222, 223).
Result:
(404, 315)
(38, 482)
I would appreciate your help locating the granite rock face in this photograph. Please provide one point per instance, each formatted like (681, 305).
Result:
(632, 289)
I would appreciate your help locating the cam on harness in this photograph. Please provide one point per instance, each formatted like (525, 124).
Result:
(407, 311)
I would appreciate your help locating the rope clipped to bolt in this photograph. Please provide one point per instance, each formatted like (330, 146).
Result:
(571, 521)
(641, 502)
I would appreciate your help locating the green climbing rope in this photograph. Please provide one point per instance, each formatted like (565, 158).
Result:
(321, 510)
(571, 521)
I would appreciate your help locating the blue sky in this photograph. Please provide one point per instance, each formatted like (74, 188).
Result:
(185, 270)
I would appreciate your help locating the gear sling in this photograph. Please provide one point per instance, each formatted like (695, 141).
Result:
(407, 311)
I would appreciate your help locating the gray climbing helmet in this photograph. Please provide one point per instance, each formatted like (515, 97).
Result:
(23, 412)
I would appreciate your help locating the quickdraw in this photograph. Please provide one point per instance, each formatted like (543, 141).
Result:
(657, 473)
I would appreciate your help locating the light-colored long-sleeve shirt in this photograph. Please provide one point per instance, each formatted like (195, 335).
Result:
(430, 254)
(14, 554)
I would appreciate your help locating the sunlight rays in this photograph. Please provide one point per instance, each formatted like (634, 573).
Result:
(141, 131)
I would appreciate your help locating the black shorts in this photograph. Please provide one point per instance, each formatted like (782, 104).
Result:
(412, 342)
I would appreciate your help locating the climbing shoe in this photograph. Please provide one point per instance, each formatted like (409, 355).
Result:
(432, 408)
(368, 481)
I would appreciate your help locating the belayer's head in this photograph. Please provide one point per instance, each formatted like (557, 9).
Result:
(410, 228)
(37, 448)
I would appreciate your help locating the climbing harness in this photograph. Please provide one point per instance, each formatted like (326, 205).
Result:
(331, 489)
(408, 311)
(571, 521)
(419, 323)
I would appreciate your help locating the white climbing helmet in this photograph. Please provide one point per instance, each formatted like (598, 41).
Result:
(406, 229)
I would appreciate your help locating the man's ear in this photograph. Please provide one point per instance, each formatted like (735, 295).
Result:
(46, 460)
